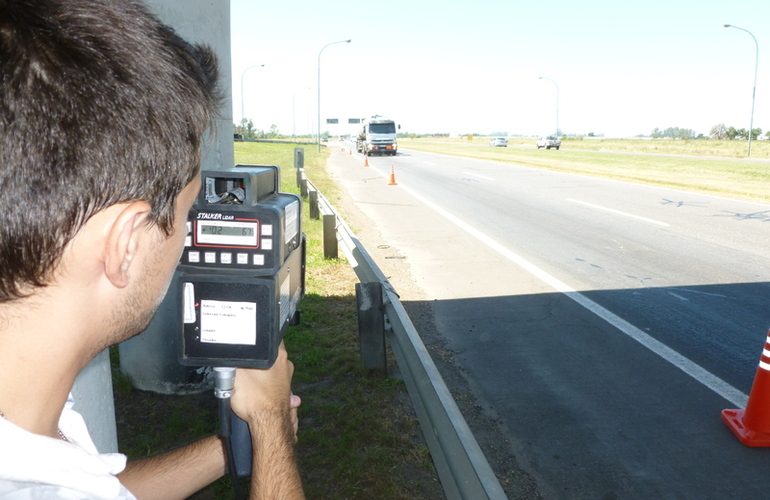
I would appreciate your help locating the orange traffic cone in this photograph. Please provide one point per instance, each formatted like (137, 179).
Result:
(366, 160)
(350, 151)
(392, 177)
(752, 425)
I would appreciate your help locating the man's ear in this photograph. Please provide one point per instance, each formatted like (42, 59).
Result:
(122, 240)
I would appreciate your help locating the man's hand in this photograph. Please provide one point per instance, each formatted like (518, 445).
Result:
(264, 400)
(258, 391)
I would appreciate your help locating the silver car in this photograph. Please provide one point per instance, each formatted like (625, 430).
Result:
(499, 142)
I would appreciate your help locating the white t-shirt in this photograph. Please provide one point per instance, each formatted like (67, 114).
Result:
(39, 467)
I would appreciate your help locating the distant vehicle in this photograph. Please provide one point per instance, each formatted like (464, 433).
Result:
(499, 142)
(549, 142)
(238, 137)
(378, 136)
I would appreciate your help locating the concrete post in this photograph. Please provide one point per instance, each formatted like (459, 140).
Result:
(371, 326)
(299, 163)
(315, 210)
(198, 21)
(92, 393)
(330, 236)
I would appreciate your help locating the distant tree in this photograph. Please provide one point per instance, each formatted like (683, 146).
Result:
(755, 133)
(718, 131)
(731, 133)
(246, 129)
(273, 131)
(674, 133)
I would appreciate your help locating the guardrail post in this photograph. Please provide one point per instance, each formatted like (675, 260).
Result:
(299, 163)
(330, 236)
(462, 468)
(302, 183)
(315, 210)
(371, 326)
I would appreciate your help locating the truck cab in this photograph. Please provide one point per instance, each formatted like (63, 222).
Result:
(378, 136)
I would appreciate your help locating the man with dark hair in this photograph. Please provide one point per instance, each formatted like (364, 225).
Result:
(102, 111)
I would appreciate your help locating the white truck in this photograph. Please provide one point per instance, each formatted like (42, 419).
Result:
(378, 136)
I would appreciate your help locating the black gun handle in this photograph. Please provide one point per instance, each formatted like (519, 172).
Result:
(241, 439)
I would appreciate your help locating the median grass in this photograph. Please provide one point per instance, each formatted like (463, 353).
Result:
(706, 166)
(358, 436)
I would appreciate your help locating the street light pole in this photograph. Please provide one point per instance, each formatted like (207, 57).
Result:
(318, 132)
(557, 101)
(754, 90)
(243, 114)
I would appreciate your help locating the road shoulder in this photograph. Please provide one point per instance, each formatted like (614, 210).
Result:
(363, 193)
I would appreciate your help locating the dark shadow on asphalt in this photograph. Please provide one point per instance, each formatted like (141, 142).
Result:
(591, 413)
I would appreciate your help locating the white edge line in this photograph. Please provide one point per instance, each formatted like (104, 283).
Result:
(480, 176)
(697, 372)
(618, 212)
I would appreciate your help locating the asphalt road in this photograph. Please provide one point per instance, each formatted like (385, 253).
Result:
(606, 324)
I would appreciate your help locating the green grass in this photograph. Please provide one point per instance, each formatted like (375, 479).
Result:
(358, 435)
(688, 165)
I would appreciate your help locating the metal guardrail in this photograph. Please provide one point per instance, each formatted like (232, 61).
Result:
(461, 465)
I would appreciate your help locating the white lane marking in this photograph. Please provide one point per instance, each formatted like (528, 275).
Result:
(480, 176)
(618, 212)
(698, 292)
(716, 384)
(429, 163)
(683, 299)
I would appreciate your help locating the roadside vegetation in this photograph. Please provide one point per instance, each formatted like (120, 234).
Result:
(715, 167)
(358, 435)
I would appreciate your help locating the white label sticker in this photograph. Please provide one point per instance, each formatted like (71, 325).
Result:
(285, 300)
(188, 313)
(291, 224)
(228, 322)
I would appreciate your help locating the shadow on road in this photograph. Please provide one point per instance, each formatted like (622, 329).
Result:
(591, 413)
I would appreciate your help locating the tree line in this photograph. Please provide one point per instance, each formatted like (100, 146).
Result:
(247, 131)
(719, 131)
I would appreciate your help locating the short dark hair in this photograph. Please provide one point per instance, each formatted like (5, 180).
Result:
(100, 103)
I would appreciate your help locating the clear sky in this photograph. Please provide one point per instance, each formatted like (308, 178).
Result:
(622, 68)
